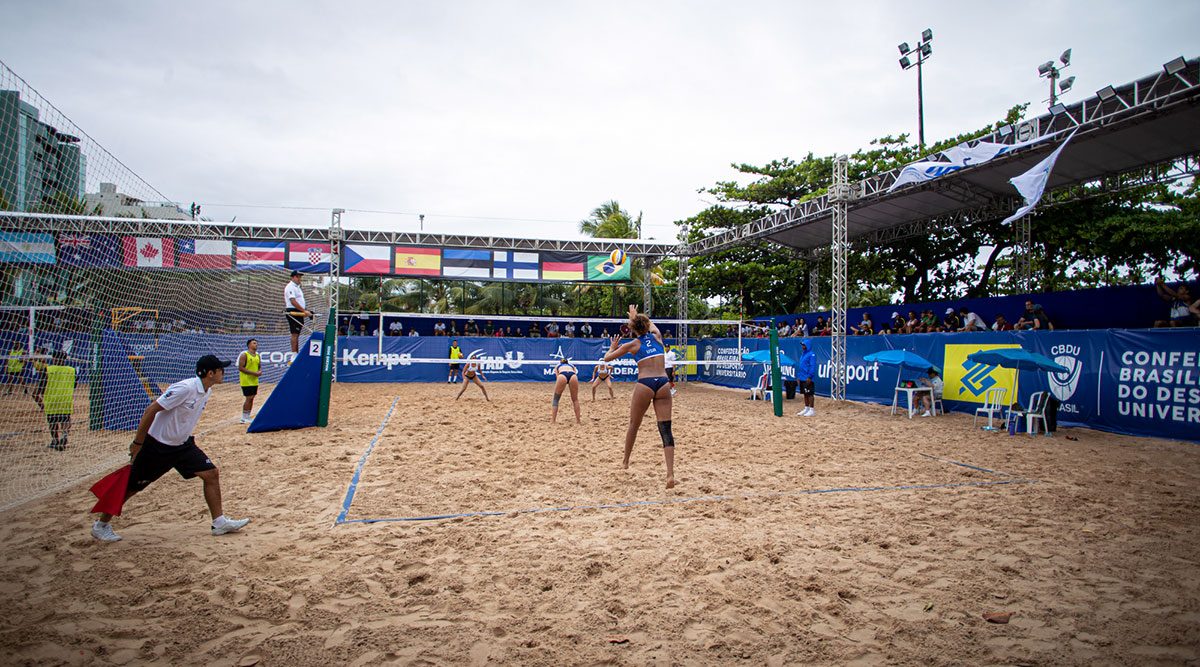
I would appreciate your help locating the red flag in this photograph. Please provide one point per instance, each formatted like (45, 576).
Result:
(110, 491)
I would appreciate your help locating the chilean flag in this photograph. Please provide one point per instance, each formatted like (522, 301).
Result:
(205, 254)
(148, 252)
(260, 254)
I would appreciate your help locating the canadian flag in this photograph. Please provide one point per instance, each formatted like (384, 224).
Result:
(148, 252)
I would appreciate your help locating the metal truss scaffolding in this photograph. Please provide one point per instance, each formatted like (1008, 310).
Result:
(839, 196)
(335, 267)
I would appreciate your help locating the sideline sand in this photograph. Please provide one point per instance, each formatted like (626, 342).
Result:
(1096, 561)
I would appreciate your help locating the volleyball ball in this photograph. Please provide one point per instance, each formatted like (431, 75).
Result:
(617, 257)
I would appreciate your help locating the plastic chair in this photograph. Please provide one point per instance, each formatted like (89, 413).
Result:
(1036, 411)
(993, 405)
(938, 408)
(762, 390)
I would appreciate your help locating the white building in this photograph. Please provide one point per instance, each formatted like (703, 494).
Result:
(112, 203)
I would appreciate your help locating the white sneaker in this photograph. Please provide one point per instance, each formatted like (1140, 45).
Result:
(926, 414)
(105, 532)
(673, 392)
(244, 420)
(229, 526)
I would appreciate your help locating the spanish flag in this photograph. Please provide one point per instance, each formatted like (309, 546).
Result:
(414, 261)
(562, 266)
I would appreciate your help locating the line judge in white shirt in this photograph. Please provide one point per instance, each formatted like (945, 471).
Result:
(293, 304)
(669, 362)
(164, 441)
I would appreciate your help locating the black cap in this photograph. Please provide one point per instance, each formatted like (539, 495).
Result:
(209, 363)
(296, 273)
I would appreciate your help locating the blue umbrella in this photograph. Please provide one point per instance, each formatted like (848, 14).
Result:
(901, 358)
(1018, 358)
(764, 357)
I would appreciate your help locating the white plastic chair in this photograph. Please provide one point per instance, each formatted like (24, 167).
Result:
(993, 405)
(762, 390)
(938, 408)
(1036, 411)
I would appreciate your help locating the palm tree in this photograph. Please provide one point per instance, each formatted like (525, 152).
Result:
(610, 221)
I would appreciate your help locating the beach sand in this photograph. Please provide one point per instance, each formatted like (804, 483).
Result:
(1092, 545)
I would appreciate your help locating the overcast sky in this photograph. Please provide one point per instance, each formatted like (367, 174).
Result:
(518, 118)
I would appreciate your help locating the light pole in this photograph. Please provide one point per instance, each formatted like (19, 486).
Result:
(1051, 71)
(923, 51)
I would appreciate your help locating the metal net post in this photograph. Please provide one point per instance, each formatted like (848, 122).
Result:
(335, 264)
(682, 297)
(647, 293)
(839, 198)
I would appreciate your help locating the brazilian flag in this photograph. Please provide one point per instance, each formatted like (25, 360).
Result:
(600, 267)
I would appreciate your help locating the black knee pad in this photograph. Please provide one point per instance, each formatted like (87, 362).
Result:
(664, 429)
(555, 401)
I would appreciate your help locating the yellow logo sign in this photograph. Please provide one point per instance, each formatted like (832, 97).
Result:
(682, 354)
(969, 381)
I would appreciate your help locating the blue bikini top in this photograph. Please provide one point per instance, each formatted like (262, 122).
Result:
(650, 347)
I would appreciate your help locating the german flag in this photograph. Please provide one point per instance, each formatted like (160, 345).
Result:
(563, 266)
(415, 261)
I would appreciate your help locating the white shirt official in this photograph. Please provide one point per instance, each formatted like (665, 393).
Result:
(293, 291)
(182, 404)
(669, 359)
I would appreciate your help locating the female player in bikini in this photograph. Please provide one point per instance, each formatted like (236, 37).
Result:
(652, 386)
(602, 373)
(472, 373)
(566, 376)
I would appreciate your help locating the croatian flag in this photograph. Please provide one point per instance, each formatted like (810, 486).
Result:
(508, 265)
(146, 252)
(308, 257)
(369, 259)
(260, 254)
(205, 254)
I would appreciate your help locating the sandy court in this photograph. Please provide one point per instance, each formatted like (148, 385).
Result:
(1092, 547)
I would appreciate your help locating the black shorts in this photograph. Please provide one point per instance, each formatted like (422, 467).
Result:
(250, 391)
(453, 368)
(58, 419)
(295, 320)
(155, 459)
(671, 374)
(808, 387)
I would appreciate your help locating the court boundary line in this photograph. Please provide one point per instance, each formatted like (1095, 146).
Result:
(362, 461)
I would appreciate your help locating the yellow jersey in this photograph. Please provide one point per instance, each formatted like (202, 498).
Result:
(253, 363)
(16, 365)
(60, 390)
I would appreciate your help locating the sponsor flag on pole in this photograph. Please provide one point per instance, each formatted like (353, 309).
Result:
(413, 261)
(309, 257)
(510, 265)
(92, 251)
(600, 267)
(462, 263)
(1032, 183)
(367, 259)
(146, 252)
(205, 254)
(26, 248)
(562, 266)
(260, 254)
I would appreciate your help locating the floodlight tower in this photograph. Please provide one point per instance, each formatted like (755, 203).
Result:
(1052, 71)
(923, 51)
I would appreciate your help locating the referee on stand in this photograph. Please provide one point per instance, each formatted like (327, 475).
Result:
(293, 304)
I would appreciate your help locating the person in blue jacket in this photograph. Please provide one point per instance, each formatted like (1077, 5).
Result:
(806, 374)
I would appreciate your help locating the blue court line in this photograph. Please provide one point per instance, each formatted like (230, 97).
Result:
(675, 501)
(341, 518)
(967, 465)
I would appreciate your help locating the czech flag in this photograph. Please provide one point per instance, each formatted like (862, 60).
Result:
(367, 259)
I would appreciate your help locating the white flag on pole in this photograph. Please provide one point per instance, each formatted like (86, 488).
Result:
(1032, 183)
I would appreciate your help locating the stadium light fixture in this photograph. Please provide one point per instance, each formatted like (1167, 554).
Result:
(1045, 67)
(1053, 72)
(1057, 109)
(1004, 130)
(1065, 84)
(922, 51)
(1106, 93)
(1065, 58)
(1175, 66)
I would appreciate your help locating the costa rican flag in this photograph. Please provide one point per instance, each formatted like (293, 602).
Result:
(308, 257)
(260, 254)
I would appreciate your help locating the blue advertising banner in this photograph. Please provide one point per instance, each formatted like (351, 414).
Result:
(1137, 382)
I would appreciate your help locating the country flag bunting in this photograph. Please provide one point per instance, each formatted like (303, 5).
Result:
(562, 266)
(367, 259)
(600, 267)
(460, 263)
(509, 265)
(414, 261)
(204, 254)
(260, 254)
(26, 248)
(89, 250)
(309, 257)
(148, 252)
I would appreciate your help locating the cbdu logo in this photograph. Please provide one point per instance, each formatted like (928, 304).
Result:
(1063, 385)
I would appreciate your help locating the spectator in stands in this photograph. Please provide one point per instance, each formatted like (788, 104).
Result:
(971, 321)
(1041, 321)
(951, 322)
(785, 329)
(1184, 310)
(1026, 321)
(605, 333)
(514, 333)
(801, 328)
(569, 330)
(396, 328)
(499, 332)
(866, 327)
(585, 330)
(412, 333)
(471, 329)
(821, 328)
(247, 326)
(534, 331)
(439, 329)
(899, 324)
(489, 329)
(1002, 324)
(912, 324)
(929, 323)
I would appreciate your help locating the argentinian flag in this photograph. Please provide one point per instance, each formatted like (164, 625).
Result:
(26, 248)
